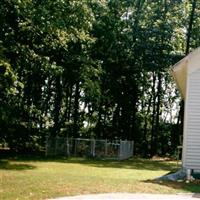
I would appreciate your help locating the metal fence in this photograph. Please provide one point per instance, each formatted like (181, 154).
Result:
(116, 149)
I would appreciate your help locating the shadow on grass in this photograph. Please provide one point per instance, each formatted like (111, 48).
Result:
(182, 186)
(134, 163)
(140, 164)
(6, 165)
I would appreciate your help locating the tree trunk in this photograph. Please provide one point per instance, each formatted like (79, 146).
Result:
(57, 107)
(189, 30)
(153, 150)
(76, 110)
(157, 122)
(145, 141)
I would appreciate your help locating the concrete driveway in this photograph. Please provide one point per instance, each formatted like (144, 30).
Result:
(128, 196)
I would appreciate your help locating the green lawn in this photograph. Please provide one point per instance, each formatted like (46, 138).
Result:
(41, 179)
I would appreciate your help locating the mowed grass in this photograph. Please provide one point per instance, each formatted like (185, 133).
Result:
(42, 179)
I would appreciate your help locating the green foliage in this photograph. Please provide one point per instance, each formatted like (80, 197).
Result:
(92, 68)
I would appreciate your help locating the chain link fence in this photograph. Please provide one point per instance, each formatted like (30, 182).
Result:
(116, 149)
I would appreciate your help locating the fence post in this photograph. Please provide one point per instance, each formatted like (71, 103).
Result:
(47, 144)
(67, 142)
(106, 148)
(132, 150)
(55, 145)
(93, 147)
(120, 149)
(75, 143)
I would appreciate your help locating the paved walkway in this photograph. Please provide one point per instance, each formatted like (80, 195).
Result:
(129, 196)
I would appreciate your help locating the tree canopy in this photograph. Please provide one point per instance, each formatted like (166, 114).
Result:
(93, 68)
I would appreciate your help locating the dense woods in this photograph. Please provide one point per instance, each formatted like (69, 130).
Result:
(94, 69)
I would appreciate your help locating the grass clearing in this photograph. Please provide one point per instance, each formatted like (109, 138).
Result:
(41, 179)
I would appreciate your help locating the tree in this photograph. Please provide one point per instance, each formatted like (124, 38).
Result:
(93, 69)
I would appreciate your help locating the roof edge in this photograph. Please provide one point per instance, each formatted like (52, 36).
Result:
(195, 51)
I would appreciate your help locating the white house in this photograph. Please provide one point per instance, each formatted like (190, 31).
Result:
(187, 76)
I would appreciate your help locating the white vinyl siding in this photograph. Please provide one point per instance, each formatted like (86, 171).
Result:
(192, 151)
